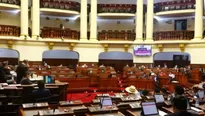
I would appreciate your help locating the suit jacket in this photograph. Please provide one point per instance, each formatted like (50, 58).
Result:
(2, 75)
(182, 113)
(21, 71)
(25, 81)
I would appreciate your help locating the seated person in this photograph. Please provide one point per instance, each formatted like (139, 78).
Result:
(25, 80)
(41, 92)
(178, 90)
(180, 107)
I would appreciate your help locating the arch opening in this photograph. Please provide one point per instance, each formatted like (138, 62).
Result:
(10, 55)
(172, 59)
(61, 57)
(116, 59)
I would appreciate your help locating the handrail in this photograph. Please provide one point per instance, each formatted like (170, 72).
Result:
(116, 8)
(174, 5)
(116, 35)
(7, 30)
(173, 35)
(49, 32)
(60, 4)
(15, 2)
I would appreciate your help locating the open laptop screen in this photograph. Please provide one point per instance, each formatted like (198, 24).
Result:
(48, 79)
(201, 94)
(106, 101)
(159, 98)
(149, 108)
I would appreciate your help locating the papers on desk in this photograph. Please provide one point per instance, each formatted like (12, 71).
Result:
(52, 112)
(196, 109)
(33, 105)
(161, 113)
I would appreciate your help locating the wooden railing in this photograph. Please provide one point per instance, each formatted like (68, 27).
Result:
(116, 8)
(116, 35)
(7, 30)
(61, 4)
(174, 35)
(15, 2)
(49, 32)
(175, 5)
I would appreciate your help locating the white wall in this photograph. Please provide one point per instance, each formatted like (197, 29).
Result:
(90, 52)
(163, 25)
(10, 18)
(72, 24)
(106, 24)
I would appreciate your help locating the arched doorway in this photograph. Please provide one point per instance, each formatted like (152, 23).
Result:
(9, 55)
(171, 59)
(61, 57)
(116, 59)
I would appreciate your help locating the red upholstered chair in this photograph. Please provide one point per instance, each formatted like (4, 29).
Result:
(67, 5)
(62, 5)
(45, 3)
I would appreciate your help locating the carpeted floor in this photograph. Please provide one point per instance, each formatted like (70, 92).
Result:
(84, 97)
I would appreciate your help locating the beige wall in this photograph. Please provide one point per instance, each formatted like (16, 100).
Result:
(10, 18)
(90, 52)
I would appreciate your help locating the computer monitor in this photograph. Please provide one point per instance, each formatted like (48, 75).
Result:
(201, 94)
(48, 79)
(159, 98)
(149, 108)
(105, 101)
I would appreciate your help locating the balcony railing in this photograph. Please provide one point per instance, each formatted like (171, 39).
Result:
(60, 4)
(175, 5)
(174, 35)
(49, 32)
(116, 8)
(14, 2)
(7, 30)
(116, 35)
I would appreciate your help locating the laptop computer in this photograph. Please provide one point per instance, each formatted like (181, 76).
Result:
(159, 98)
(200, 94)
(149, 109)
(105, 101)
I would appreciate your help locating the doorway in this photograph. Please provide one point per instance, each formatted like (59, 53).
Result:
(180, 25)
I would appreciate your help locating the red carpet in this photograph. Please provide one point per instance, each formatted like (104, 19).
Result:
(84, 97)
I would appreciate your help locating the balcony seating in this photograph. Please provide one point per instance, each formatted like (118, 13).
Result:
(175, 5)
(174, 35)
(116, 8)
(15, 2)
(60, 4)
(7, 30)
(49, 32)
(116, 35)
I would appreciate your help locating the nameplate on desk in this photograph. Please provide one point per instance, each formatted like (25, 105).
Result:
(130, 99)
(105, 95)
(64, 103)
(34, 105)
(53, 112)
(103, 109)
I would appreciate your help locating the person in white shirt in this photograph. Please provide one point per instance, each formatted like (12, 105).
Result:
(171, 77)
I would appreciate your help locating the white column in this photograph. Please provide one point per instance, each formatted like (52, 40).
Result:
(24, 18)
(139, 21)
(93, 21)
(35, 19)
(83, 20)
(150, 20)
(198, 34)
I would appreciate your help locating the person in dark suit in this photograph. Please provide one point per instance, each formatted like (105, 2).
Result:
(180, 107)
(2, 74)
(25, 80)
(21, 70)
(41, 92)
